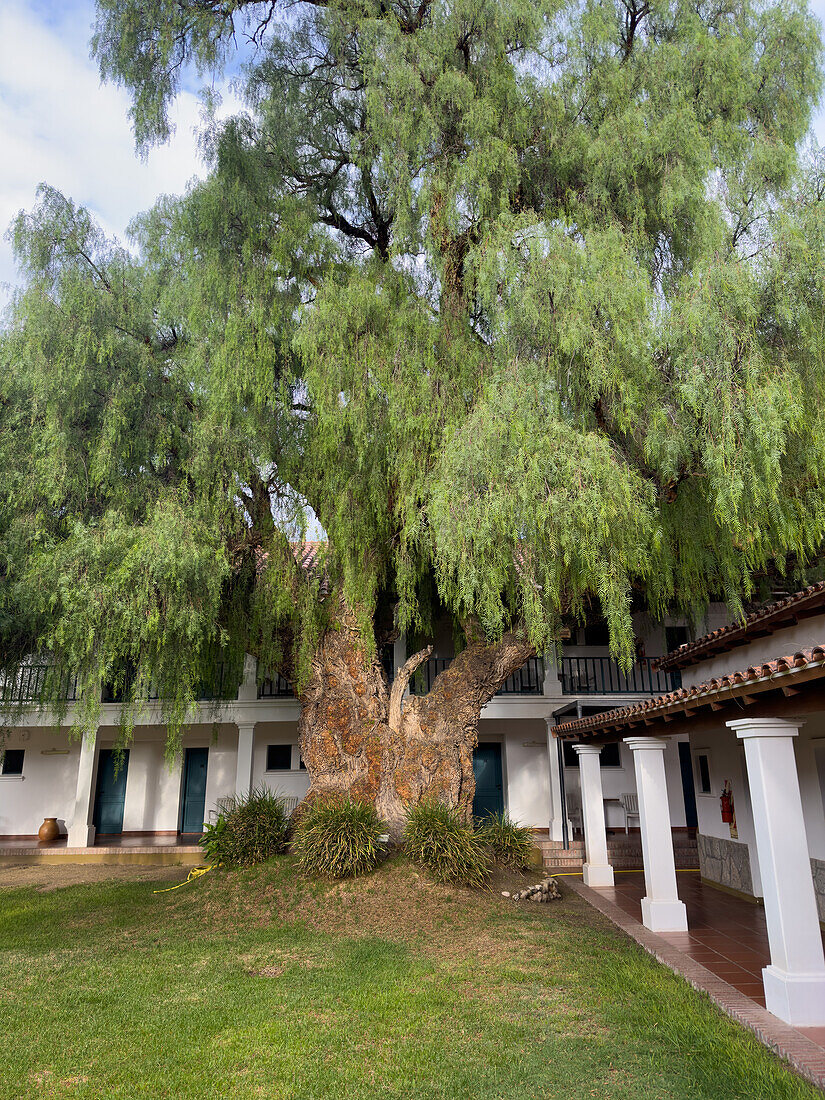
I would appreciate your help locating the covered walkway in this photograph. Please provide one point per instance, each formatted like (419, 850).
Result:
(722, 954)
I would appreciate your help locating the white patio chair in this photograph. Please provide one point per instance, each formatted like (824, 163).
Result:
(630, 805)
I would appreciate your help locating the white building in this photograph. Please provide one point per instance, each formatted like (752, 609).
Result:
(752, 706)
(251, 740)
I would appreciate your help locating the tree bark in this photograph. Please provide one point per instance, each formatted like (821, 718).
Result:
(356, 738)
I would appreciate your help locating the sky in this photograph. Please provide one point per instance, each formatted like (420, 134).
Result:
(58, 124)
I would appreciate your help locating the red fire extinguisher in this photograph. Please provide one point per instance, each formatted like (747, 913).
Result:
(726, 800)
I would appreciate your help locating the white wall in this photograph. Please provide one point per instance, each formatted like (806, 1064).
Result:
(294, 782)
(619, 781)
(652, 632)
(153, 788)
(222, 769)
(525, 766)
(726, 759)
(49, 782)
(782, 643)
(810, 764)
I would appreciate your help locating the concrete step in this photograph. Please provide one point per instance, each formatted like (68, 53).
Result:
(624, 853)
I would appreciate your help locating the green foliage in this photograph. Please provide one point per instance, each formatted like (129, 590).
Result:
(519, 302)
(510, 845)
(248, 831)
(338, 837)
(436, 837)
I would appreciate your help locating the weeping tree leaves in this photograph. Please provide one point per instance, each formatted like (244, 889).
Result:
(526, 297)
(531, 512)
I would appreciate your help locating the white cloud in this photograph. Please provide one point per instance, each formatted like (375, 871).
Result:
(58, 124)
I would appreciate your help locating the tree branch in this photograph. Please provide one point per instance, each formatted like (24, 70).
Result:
(402, 679)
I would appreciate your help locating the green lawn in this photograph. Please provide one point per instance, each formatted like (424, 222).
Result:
(262, 984)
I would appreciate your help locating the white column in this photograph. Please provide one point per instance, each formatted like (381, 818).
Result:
(795, 980)
(556, 817)
(596, 870)
(552, 680)
(82, 830)
(243, 778)
(248, 691)
(661, 909)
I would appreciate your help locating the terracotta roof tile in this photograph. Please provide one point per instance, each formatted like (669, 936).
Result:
(805, 659)
(765, 620)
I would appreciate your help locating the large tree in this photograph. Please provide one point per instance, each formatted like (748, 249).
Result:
(520, 301)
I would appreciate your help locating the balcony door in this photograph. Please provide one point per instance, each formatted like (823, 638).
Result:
(489, 796)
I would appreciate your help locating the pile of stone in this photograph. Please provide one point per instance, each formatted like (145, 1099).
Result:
(548, 890)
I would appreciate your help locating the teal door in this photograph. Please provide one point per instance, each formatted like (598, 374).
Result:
(194, 790)
(489, 796)
(110, 794)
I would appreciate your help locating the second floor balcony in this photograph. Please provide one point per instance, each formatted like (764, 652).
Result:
(577, 675)
(528, 680)
(603, 676)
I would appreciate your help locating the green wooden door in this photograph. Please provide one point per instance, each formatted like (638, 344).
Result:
(194, 790)
(489, 796)
(110, 794)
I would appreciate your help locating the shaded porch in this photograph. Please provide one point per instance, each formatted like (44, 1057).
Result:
(722, 954)
(157, 850)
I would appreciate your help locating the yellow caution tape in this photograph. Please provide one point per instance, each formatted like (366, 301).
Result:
(196, 872)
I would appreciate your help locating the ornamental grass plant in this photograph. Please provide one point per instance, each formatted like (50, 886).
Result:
(437, 837)
(338, 837)
(510, 845)
(249, 830)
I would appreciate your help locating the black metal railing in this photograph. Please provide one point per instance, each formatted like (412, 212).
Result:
(43, 683)
(425, 675)
(604, 676)
(528, 680)
(39, 683)
(222, 683)
(275, 687)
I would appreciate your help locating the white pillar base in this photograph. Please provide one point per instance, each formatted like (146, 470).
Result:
(664, 916)
(798, 999)
(597, 874)
(81, 836)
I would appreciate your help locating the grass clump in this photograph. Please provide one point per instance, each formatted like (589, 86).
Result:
(510, 845)
(338, 837)
(437, 837)
(250, 830)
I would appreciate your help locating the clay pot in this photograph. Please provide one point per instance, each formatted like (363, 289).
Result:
(48, 831)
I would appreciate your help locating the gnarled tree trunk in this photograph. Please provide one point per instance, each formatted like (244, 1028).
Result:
(357, 739)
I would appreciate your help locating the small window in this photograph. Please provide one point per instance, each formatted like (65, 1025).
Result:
(703, 772)
(302, 765)
(13, 762)
(278, 758)
(674, 637)
(610, 757)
